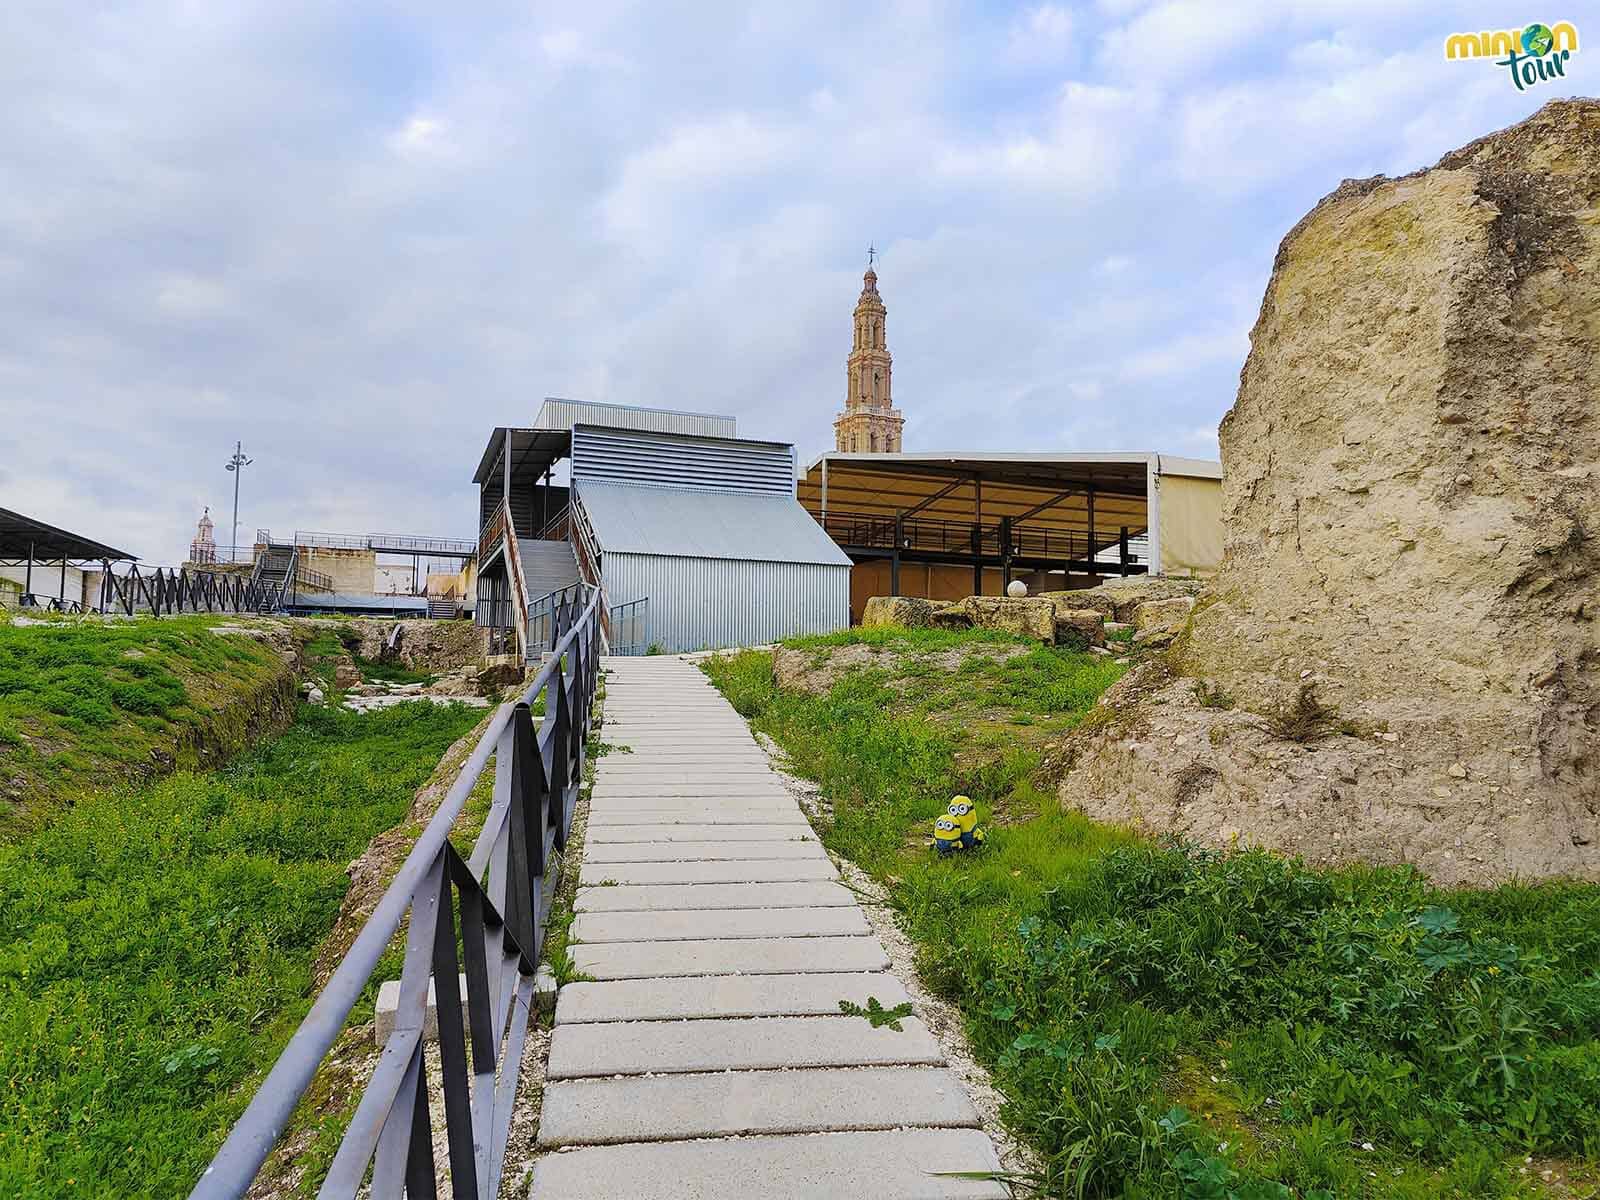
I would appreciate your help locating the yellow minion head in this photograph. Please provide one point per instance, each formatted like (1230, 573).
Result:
(964, 813)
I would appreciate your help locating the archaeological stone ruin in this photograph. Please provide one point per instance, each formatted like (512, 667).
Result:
(1399, 660)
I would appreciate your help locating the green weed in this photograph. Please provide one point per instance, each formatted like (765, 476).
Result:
(879, 1016)
(1365, 1034)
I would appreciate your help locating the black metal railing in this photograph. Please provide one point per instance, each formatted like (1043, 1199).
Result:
(165, 591)
(385, 543)
(308, 577)
(498, 899)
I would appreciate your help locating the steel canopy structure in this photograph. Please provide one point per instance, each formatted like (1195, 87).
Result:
(23, 537)
(28, 542)
(1087, 514)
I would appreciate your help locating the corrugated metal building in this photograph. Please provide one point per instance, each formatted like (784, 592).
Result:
(694, 535)
(717, 569)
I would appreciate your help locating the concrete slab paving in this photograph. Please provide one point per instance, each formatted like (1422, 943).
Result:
(724, 923)
(667, 897)
(698, 996)
(706, 1055)
(701, 851)
(690, 793)
(576, 1112)
(750, 870)
(736, 1044)
(715, 831)
(888, 1165)
(731, 956)
(607, 818)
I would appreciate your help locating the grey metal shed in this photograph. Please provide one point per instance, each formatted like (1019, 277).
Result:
(718, 568)
(694, 536)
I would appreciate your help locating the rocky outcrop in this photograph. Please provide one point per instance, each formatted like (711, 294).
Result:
(422, 645)
(1411, 498)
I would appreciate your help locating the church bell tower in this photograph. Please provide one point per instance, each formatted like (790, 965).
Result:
(869, 423)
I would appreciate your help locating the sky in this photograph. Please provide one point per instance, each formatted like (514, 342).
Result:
(359, 236)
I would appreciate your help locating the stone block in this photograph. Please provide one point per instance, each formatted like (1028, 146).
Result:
(388, 1005)
(896, 610)
(1159, 621)
(1080, 627)
(1031, 617)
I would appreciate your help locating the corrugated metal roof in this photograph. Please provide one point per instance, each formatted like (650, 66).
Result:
(706, 464)
(675, 521)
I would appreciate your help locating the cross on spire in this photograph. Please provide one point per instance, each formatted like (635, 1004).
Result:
(872, 254)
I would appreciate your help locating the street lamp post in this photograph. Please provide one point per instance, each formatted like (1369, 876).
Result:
(237, 464)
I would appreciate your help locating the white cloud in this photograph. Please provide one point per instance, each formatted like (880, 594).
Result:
(419, 135)
(360, 238)
(1084, 146)
(1183, 354)
(191, 297)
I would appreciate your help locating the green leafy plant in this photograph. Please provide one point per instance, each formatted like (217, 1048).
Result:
(876, 1013)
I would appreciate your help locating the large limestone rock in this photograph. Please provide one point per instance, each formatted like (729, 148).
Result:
(1032, 617)
(1118, 598)
(1412, 500)
(896, 610)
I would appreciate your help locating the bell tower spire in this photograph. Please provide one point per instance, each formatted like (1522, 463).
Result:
(869, 422)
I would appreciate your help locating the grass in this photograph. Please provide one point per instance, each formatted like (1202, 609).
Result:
(156, 944)
(91, 702)
(1168, 1022)
(896, 637)
(382, 672)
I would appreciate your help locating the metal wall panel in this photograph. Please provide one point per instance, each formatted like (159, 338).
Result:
(564, 414)
(702, 603)
(663, 460)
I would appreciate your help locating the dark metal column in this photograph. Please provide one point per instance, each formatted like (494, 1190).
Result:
(894, 560)
(27, 588)
(1089, 501)
(1123, 545)
(977, 535)
(1005, 554)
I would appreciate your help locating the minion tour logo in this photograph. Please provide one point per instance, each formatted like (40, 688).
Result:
(1533, 54)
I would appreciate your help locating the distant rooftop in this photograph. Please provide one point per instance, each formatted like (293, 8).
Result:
(535, 449)
(557, 413)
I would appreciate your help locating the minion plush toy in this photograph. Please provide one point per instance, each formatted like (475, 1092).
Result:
(946, 835)
(965, 814)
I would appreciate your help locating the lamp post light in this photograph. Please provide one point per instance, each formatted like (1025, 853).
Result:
(237, 464)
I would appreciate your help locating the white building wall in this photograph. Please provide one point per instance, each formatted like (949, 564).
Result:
(46, 580)
(713, 603)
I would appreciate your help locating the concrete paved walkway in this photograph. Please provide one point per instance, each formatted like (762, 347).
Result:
(708, 1057)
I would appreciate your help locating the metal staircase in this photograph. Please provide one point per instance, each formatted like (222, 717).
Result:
(274, 576)
(443, 608)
